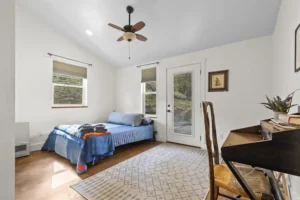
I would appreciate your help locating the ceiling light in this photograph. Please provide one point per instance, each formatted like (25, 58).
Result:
(89, 32)
(129, 36)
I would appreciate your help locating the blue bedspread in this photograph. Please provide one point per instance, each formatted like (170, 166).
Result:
(95, 148)
(122, 134)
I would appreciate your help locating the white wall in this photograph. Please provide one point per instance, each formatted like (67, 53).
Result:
(249, 71)
(34, 39)
(7, 99)
(285, 80)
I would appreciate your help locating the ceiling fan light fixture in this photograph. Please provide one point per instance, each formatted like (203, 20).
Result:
(129, 36)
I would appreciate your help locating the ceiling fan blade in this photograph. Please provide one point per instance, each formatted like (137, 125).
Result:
(141, 37)
(116, 27)
(120, 39)
(138, 26)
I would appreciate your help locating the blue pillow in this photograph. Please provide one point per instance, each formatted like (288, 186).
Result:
(125, 119)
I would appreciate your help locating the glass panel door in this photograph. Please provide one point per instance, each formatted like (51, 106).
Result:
(183, 96)
(183, 104)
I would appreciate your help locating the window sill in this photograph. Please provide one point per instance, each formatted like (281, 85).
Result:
(69, 107)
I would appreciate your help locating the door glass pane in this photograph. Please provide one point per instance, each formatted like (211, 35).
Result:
(183, 103)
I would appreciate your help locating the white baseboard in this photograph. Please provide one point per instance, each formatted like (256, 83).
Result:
(160, 138)
(36, 147)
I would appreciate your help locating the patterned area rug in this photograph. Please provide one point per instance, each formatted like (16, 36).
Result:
(168, 171)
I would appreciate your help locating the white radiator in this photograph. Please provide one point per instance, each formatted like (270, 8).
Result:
(22, 139)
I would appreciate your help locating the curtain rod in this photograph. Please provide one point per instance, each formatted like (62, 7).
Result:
(147, 64)
(50, 54)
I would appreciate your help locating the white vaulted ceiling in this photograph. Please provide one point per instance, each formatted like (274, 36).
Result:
(173, 27)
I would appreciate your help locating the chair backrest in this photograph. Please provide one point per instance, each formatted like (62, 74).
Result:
(213, 153)
(211, 131)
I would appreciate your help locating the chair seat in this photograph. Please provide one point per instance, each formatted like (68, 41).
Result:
(256, 180)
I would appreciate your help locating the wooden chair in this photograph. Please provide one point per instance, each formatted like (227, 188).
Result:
(220, 175)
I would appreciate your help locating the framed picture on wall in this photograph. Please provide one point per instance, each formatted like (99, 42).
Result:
(297, 49)
(218, 81)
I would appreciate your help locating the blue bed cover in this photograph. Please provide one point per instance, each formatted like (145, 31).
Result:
(81, 152)
(127, 134)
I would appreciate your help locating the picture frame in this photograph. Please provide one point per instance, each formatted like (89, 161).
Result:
(297, 49)
(218, 81)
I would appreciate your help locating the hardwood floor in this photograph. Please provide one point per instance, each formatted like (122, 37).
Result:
(48, 176)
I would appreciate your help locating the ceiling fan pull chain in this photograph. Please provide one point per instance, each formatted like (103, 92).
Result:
(129, 50)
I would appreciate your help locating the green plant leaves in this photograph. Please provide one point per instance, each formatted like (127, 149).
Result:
(279, 105)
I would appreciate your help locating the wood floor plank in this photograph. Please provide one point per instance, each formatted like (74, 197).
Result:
(48, 176)
(36, 174)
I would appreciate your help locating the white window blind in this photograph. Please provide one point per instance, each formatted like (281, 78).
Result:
(149, 75)
(69, 70)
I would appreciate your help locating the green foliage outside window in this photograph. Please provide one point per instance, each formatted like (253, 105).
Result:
(183, 96)
(67, 95)
(67, 80)
(151, 86)
(150, 98)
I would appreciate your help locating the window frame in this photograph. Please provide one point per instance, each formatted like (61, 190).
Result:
(144, 93)
(84, 92)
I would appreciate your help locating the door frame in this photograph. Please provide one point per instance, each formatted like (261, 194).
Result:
(202, 98)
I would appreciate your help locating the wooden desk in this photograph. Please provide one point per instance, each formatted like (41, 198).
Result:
(236, 138)
(263, 146)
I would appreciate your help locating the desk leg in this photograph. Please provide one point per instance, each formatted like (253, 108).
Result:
(240, 179)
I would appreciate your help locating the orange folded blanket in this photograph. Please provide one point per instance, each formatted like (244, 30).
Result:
(94, 134)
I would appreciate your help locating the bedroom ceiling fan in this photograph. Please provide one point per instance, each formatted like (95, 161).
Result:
(129, 30)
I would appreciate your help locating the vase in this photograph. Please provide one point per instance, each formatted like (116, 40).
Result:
(276, 114)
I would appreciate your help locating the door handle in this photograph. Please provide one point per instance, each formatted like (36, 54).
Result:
(168, 110)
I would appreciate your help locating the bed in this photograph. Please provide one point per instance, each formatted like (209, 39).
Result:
(94, 148)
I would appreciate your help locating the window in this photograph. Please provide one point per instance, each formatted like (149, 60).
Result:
(149, 98)
(69, 85)
(149, 91)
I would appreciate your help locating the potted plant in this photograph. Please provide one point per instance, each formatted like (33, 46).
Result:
(278, 106)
